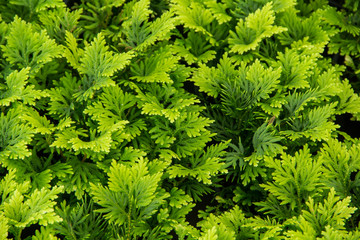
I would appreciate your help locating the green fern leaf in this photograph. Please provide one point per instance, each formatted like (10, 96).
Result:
(155, 68)
(98, 65)
(45, 234)
(194, 49)
(59, 22)
(218, 10)
(339, 162)
(32, 50)
(193, 15)
(295, 178)
(296, 68)
(16, 89)
(14, 137)
(37, 6)
(38, 207)
(265, 143)
(257, 26)
(4, 227)
(202, 167)
(314, 124)
(332, 212)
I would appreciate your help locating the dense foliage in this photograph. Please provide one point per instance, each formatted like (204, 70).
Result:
(179, 119)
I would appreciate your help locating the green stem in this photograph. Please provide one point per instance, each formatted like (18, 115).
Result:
(129, 222)
(18, 234)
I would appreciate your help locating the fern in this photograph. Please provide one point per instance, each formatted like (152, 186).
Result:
(295, 68)
(37, 50)
(178, 119)
(15, 136)
(339, 163)
(193, 15)
(250, 32)
(194, 48)
(331, 212)
(16, 89)
(37, 6)
(313, 124)
(201, 167)
(155, 68)
(96, 65)
(80, 222)
(299, 29)
(140, 34)
(132, 196)
(265, 143)
(59, 21)
(295, 178)
(253, 84)
(21, 208)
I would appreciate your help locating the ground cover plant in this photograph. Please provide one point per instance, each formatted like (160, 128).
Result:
(179, 119)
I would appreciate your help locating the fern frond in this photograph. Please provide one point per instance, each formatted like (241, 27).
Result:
(60, 21)
(295, 178)
(14, 137)
(252, 84)
(265, 143)
(165, 101)
(32, 50)
(201, 166)
(98, 65)
(332, 212)
(38, 6)
(155, 68)
(17, 89)
(257, 26)
(298, 29)
(193, 15)
(194, 49)
(339, 162)
(347, 99)
(218, 10)
(296, 68)
(337, 18)
(313, 124)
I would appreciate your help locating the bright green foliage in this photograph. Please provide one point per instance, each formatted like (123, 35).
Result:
(347, 34)
(37, 6)
(28, 10)
(140, 34)
(32, 50)
(202, 167)
(296, 68)
(179, 119)
(132, 196)
(339, 162)
(80, 222)
(59, 21)
(194, 48)
(16, 89)
(22, 207)
(97, 65)
(229, 225)
(209, 80)
(296, 178)
(193, 15)
(256, 27)
(313, 124)
(155, 68)
(14, 136)
(251, 85)
(332, 212)
(112, 111)
(308, 29)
